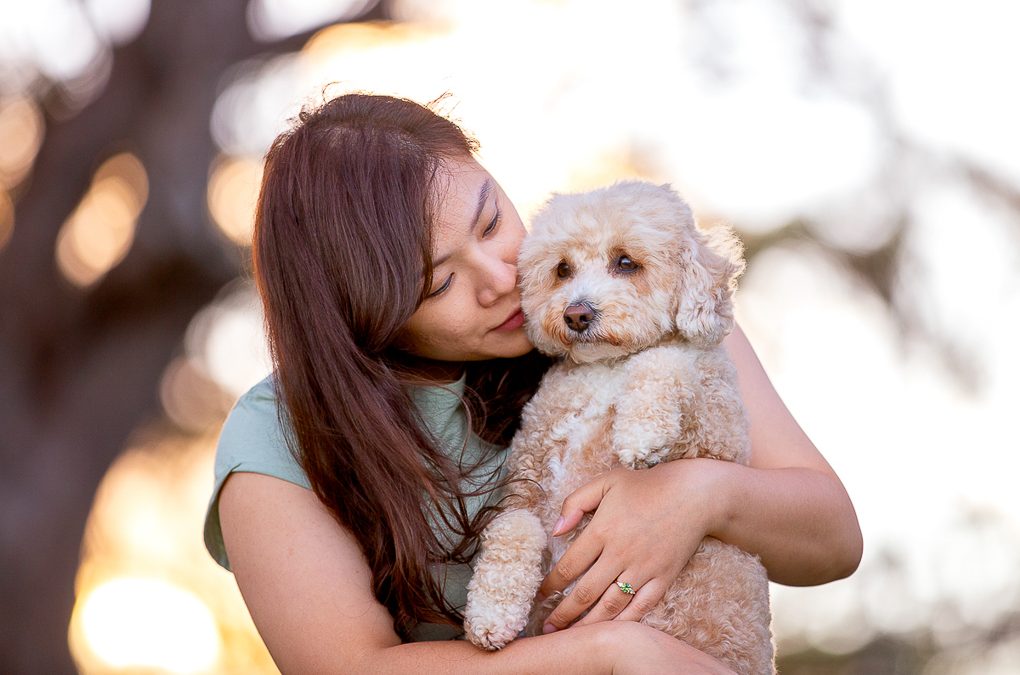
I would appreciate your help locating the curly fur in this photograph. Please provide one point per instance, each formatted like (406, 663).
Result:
(646, 382)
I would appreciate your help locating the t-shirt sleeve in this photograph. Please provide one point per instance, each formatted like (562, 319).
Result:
(252, 440)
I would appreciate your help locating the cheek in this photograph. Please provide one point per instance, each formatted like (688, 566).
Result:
(543, 305)
(518, 238)
(637, 312)
(444, 330)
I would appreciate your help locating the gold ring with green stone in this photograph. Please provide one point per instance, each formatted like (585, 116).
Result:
(625, 587)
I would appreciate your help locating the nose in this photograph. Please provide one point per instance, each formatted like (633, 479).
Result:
(501, 279)
(578, 316)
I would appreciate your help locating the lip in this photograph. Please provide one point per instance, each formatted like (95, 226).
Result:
(513, 322)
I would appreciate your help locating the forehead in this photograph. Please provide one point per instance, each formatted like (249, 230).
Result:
(458, 187)
(584, 230)
(593, 228)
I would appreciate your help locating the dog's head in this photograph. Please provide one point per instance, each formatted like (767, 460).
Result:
(610, 272)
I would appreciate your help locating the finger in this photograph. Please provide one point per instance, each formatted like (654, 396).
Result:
(586, 593)
(645, 600)
(614, 599)
(582, 500)
(567, 521)
(580, 555)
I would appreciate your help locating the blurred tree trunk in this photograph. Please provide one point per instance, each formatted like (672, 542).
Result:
(79, 369)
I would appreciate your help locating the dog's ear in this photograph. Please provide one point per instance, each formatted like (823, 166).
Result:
(710, 264)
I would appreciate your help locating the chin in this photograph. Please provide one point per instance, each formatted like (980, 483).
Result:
(514, 345)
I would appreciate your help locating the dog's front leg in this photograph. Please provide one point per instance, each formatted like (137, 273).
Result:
(651, 410)
(507, 574)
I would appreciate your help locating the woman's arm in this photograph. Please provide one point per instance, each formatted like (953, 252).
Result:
(802, 524)
(308, 589)
(788, 507)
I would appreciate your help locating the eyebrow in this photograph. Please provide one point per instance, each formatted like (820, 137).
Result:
(483, 196)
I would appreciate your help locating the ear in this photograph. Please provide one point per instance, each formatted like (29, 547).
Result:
(709, 267)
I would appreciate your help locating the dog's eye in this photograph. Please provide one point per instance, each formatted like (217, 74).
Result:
(625, 264)
(563, 270)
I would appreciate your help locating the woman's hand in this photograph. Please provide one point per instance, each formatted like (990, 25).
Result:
(640, 650)
(646, 526)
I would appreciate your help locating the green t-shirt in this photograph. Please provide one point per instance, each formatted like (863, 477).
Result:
(253, 440)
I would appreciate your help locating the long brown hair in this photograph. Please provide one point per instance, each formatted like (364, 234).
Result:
(342, 259)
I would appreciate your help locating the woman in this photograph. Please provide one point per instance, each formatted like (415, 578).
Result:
(352, 484)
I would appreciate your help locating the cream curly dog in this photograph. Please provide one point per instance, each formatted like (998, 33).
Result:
(622, 285)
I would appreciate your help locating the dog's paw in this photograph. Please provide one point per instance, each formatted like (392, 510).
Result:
(489, 635)
(493, 625)
(507, 573)
(629, 456)
(493, 617)
(641, 458)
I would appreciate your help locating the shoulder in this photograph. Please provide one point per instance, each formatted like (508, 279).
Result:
(255, 438)
(256, 429)
(257, 408)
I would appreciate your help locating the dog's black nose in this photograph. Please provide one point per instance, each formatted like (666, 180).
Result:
(578, 316)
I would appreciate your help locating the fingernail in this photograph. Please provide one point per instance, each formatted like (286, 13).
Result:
(548, 628)
(556, 528)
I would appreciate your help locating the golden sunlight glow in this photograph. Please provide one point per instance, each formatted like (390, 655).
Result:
(557, 140)
(6, 218)
(357, 38)
(386, 58)
(139, 623)
(149, 597)
(233, 191)
(21, 134)
(99, 233)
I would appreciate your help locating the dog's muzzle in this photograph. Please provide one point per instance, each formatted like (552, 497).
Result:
(578, 316)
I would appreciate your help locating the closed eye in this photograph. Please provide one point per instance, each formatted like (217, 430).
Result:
(491, 227)
(442, 288)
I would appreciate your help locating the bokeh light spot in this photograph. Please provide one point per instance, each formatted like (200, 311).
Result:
(233, 191)
(118, 20)
(139, 622)
(6, 218)
(227, 340)
(99, 232)
(190, 398)
(275, 19)
(21, 134)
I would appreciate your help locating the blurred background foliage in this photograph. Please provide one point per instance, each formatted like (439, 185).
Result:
(866, 151)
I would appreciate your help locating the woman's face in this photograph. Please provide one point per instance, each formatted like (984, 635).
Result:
(473, 310)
